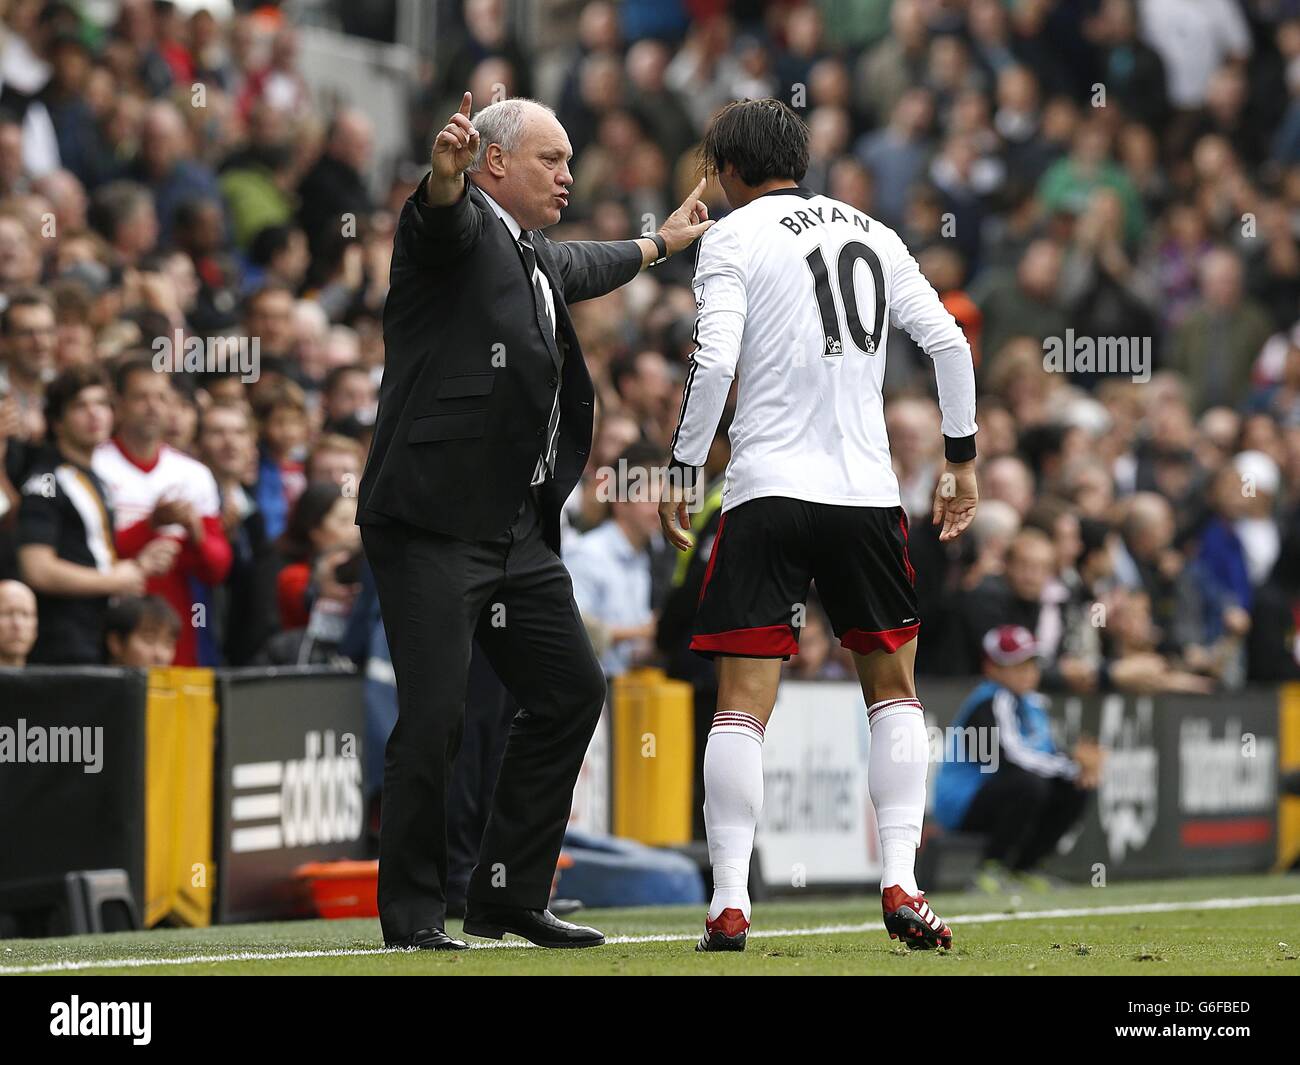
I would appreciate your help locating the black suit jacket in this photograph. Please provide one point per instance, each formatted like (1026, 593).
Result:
(470, 371)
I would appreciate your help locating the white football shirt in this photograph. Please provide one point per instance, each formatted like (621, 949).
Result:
(133, 489)
(795, 294)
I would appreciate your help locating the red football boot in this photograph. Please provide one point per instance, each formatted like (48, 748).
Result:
(727, 931)
(909, 918)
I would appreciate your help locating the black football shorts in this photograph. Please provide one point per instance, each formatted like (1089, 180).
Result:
(768, 550)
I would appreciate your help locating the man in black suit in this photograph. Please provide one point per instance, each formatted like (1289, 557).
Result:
(483, 429)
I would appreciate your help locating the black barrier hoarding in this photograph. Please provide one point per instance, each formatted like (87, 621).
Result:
(1130, 822)
(72, 768)
(1189, 785)
(1227, 779)
(289, 784)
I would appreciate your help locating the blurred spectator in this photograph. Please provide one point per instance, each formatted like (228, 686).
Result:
(1026, 304)
(18, 625)
(348, 392)
(610, 565)
(1135, 75)
(321, 578)
(167, 168)
(245, 603)
(27, 336)
(1215, 346)
(1027, 794)
(279, 255)
(159, 492)
(281, 410)
(141, 631)
(66, 549)
(1175, 597)
(896, 155)
(333, 195)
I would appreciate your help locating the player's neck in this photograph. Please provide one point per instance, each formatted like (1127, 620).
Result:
(749, 193)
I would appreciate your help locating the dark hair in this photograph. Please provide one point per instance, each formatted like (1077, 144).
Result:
(189, 210)
(113, 204)
(316, 501)
(640, 459)
(129, 367)
(1092, 533)
(28, 297)
(269, 242)
(68, 386)
(268, 288)
(337, 373)
(132, 613)
(762, 139)
(276, 394)
(218, 406)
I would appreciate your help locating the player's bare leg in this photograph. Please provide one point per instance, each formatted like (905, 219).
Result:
(896, 779)
(733, 792)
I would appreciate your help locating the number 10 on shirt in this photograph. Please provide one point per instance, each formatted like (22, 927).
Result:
(853, 252)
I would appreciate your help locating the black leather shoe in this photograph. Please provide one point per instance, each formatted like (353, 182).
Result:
(428, 939)
(540, 927)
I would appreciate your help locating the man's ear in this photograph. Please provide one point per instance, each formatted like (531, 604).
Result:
(496, 160)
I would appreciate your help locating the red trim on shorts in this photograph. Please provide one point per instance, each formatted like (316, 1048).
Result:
(907, 562)
(713, 557)
(770, 641)
(889, 641)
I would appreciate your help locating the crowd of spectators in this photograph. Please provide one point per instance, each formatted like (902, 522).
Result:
(1119, 177)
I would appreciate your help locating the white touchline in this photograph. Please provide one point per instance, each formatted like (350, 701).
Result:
(666, 937)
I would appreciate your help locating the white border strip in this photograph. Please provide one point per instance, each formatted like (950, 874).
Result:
(820, 930)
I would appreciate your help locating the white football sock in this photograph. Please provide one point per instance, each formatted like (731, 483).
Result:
(733, 797)
(896, 774)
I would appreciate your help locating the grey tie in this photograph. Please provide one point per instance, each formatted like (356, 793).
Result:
(546, 462)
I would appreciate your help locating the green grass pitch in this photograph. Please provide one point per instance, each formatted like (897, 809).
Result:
(1219, 926)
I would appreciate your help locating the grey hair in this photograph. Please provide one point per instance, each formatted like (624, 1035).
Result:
(502, 123)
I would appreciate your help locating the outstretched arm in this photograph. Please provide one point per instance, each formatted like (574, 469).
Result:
(591, 268)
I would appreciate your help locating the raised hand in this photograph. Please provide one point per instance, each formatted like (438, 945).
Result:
(454, 149)
(687, 223)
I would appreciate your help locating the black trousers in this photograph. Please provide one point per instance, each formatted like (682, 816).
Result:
(489, 710)
(1024, 815)
(437, 595)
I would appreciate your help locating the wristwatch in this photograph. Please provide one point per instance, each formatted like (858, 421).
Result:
(662, 245)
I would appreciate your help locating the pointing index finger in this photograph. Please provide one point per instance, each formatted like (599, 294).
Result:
(466, 104)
